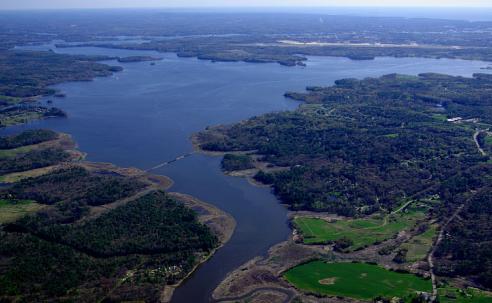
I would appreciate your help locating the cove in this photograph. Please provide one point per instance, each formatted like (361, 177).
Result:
(145, 115)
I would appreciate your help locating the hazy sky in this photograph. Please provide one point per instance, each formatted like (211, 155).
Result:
(50, 4)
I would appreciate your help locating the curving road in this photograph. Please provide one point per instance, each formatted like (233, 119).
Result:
(475, 138)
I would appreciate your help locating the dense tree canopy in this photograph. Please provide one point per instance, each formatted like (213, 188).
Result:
(364, 142)
(363, 146)
(27, 138)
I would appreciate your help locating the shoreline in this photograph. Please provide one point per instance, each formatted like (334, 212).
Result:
(220, 223)
(248, 174)
(262, 276)
(224, 234)
(316, 51)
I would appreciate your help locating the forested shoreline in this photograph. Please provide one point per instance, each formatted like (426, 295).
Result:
(73, 230)
(365, 146)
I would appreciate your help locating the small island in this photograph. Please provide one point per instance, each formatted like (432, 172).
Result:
(137, 59)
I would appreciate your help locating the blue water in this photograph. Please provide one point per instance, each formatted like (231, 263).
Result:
(145, 115)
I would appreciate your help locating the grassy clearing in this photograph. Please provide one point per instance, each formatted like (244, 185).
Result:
(391, 136)
(16, 177)
(420, 245)
(440, 117)
(8, 120)
(10, 100)
(10, 153)
(362, 232)
(488, 140)
(469, 295)
(11, 211)
(354, 280)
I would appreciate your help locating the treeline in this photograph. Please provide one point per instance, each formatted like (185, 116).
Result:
(169, 227)
(32, 160)
(28, 137)
(459, 96)
(44, 258)
(232, 162)
(362, 144)
(466, 249)
(74, 189)
(75, 250)
(28, 73)
(37, 270)
(77, 185)
(365, 145)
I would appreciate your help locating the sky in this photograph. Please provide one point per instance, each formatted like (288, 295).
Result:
(54, 4)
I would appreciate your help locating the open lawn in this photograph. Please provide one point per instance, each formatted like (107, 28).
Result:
(19, 118)
(440, 117)
(391, 136)
(469, 295)
(362, 232)
(420, 245)
(10, 100)
(488, 140)
(10, 153)
(355, 280)
(16, 177)
(10, 211)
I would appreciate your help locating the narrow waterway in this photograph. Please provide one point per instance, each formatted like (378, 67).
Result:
(144, 116)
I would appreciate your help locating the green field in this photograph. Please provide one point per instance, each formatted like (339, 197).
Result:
(391, 136)
(469, 295)
(19, 118)
(10, 153)
(355, 280)
(10, 211)
(488, 140)
(420, 245)
(440, 117)
(362, 232)
(16, 177)
(10, 100)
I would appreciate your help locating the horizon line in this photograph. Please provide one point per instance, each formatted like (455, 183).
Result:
(249, 7)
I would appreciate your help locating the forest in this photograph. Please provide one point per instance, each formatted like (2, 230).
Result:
(365, 146)
(362, 145)
(272, 49)
(32, 160)
(231, 162)
(356, 148)
(72, 191)
(77, 185)
(170, 227)
(466, 249)
(75, 232)
(28, 137)
(254, 37)
(27, 75)
(25, 151)
(71, 249)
